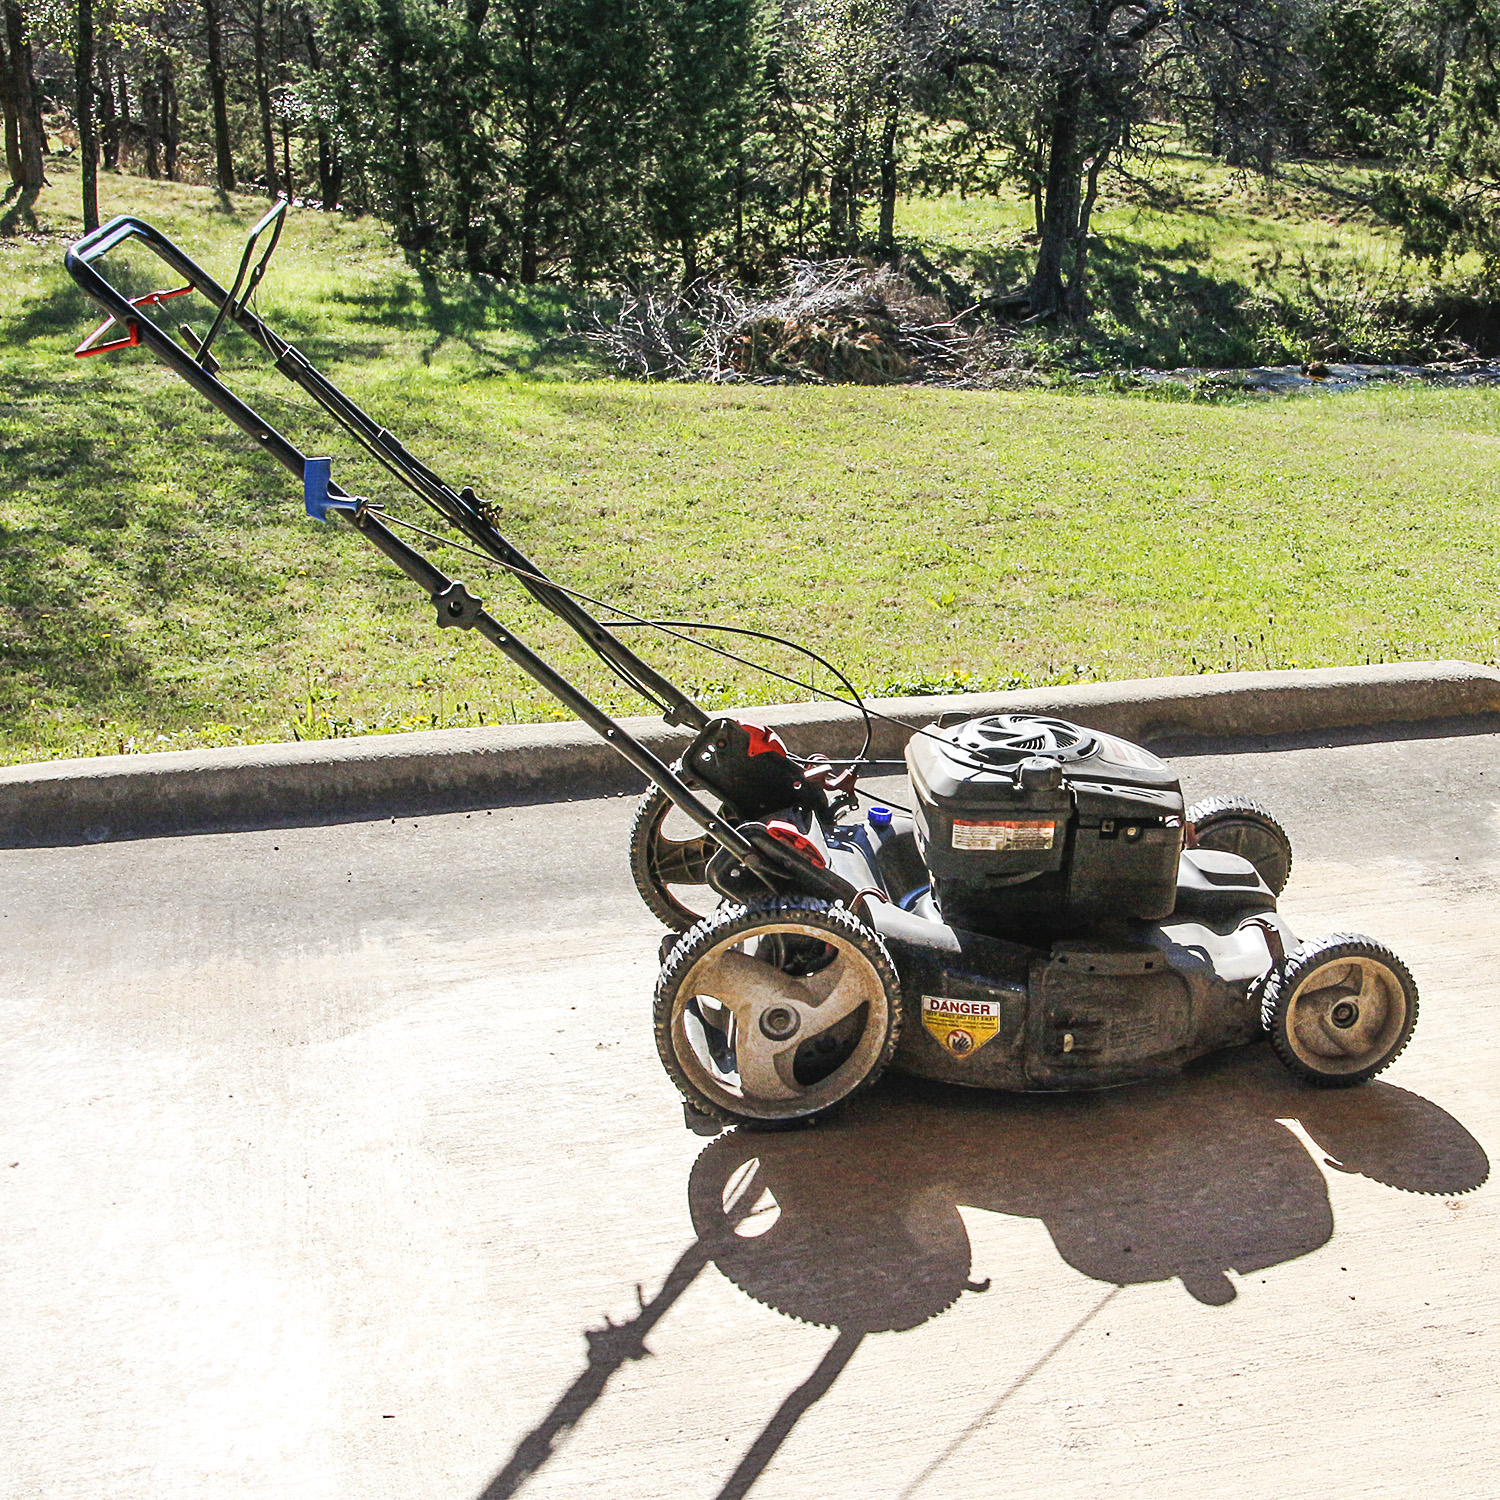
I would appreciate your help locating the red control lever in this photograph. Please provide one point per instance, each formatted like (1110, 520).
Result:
(88, 346)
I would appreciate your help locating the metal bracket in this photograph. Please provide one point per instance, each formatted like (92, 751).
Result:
(457, 607)
(315, 496)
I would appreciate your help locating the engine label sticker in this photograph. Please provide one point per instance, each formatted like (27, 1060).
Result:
(962, 1027)
(1011, 834)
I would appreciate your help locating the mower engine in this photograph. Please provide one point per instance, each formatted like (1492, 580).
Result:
(1034, 827)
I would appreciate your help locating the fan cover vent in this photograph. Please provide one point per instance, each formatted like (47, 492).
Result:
(1002, 738)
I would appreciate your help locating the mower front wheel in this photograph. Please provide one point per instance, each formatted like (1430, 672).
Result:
(776, 1013)
(1340, 1010)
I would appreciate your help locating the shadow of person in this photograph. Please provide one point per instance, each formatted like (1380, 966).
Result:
(856, 1225)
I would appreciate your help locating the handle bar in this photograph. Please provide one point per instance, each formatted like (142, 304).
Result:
(198, 367)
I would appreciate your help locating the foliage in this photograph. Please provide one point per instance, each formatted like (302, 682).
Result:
(1447, 199)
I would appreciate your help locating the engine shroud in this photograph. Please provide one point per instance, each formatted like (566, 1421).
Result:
(1031, 823)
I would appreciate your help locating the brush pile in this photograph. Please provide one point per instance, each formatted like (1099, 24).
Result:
(833, 322)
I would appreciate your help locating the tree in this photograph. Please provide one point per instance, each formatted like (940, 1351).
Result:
(22, 104)
(538, 139)
(88, 145)
(1445, 195)
(840, 75)
(1079, 81)
(218, 93)
(700, 105)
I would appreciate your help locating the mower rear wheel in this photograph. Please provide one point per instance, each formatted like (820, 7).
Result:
(1236, 825)
(1340, 1010)
(670, 865)
(776, 1013)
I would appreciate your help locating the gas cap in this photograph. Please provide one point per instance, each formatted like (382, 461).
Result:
(1039, 773)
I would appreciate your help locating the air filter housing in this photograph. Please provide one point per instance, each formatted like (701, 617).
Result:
(1030, 822)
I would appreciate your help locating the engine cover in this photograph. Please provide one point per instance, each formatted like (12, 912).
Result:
(1027, 822)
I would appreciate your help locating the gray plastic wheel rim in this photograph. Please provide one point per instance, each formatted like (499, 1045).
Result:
(731, 979)
(1326, 1047)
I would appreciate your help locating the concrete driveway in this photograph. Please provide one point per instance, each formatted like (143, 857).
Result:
(337, 1162)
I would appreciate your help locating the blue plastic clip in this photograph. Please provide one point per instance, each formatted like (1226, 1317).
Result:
(315, 496)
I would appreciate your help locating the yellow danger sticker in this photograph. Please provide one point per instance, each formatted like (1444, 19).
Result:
(961, 1026)
(1008, 834)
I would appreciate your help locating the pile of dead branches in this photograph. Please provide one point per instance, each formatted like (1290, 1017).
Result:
(832, 322)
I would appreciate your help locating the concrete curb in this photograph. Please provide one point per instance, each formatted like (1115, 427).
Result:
(199, 791)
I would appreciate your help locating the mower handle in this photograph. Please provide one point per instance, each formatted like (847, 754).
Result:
(196, 371)
(198, 368)
(456, 606)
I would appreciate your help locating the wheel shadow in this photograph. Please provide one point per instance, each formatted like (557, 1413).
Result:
(856, 1226)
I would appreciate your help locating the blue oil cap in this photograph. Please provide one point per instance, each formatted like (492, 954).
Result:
(879, 817)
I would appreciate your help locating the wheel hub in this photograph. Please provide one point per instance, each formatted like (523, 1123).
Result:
(1344, 1014)
(779, 1022)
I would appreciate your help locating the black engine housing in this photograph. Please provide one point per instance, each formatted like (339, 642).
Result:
(1032, 824)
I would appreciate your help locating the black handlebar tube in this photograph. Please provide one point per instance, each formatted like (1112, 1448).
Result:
(461, 507)
(464, 610)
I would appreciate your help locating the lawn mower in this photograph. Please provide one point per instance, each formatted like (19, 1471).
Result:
(1045, 914)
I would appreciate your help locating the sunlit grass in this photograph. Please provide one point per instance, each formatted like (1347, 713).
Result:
(160, 585)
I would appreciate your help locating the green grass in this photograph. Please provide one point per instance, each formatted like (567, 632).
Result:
(1211, 267)
(160, 586)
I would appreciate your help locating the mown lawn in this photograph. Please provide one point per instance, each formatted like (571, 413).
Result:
(160, 586)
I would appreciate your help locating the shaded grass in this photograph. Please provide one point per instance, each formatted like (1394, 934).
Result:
(1207, 266)
(159, 584)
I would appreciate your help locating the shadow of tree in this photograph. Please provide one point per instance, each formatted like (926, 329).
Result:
(20, 210)
(1151, 305)
(94, 563)
(509, 330)
(856, 1226)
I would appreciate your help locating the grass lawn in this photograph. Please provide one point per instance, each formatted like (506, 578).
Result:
(160, 586)
(1211, 266)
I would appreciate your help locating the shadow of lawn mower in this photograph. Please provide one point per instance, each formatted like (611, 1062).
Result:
(1045, 915)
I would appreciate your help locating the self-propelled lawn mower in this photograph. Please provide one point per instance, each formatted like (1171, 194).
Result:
(1046, 914)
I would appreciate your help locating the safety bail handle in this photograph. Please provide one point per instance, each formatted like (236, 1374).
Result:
(133, 338)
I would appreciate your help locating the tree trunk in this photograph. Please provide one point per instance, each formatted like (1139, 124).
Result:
(328, 173)
(407, 180)
(31, 138)
(104, 102)
(529, 257)
(171, 128)
(122, 98)
(263, 97)
(218, 93)
(1060, 204)
(888, 176)
(1077, 302)
(150, 114)
(739, 214)
(8, 108)
(327, 192)
(88, 146)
